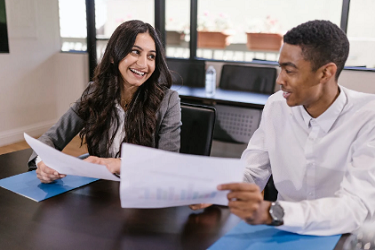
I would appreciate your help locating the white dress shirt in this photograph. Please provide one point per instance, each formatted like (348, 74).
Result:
(323, 168)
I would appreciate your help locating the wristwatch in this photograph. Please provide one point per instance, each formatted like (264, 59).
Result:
(277, 213)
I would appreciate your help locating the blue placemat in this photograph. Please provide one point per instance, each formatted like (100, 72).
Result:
(263, 237)
(28, 185)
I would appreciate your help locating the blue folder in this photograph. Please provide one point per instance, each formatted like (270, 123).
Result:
(262, 237)
(28, 185)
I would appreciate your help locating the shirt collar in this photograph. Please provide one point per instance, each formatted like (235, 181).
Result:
(326, 120)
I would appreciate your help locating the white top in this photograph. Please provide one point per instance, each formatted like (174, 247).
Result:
(120, 134)
(323, 168)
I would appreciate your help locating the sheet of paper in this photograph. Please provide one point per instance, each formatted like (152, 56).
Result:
(152, 178)
(66, 164)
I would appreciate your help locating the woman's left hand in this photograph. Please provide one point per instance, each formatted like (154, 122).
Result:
(112, 164)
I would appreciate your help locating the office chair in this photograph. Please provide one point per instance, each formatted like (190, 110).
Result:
(248, 78)
(187, 72)
(235, 124)
(197, 129)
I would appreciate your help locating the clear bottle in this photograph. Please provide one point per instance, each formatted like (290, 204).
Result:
(210, 81)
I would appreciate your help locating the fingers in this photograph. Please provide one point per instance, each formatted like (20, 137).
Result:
(238, 187)
(255, 196)
(199, 206)
(46, 174)
(253, 213)
(246, 201)
(94, 159)
(113, 165)
(247, 206)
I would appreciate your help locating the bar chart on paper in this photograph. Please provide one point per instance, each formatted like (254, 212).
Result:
(172, 194)
(169, 196)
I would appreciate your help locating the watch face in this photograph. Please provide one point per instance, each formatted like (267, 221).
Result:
(277, 214)
(278, 211)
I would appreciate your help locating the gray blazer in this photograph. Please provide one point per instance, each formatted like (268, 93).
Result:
(166, 137)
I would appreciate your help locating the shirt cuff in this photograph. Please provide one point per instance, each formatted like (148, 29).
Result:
(294, 219)
(37, 160)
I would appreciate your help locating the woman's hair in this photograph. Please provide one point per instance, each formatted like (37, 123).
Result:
(98, 102)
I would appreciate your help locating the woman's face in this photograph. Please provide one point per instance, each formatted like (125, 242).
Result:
(139, 64)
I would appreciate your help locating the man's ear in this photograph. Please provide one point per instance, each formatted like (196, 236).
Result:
(328, 72)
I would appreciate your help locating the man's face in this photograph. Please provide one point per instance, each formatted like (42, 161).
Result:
(301, 86)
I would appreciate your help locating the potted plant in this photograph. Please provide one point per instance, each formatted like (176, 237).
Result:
(213, 32)
(264, 36)
(175, 31)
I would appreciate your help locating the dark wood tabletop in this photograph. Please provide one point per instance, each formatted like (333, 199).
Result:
(228, 97)
(91, 217)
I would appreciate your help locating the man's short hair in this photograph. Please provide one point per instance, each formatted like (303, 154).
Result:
(321, 42)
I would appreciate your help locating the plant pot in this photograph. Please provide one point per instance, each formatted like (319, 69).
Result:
(264, 41)
(213, 39)
(174, 37)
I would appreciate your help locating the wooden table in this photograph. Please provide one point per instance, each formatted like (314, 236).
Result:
(91, 217)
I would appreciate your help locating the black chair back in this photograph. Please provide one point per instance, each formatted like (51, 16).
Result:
(197, 128)
(187, 72)
(248, 78)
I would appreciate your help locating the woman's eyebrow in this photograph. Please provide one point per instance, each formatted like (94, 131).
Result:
(140, 48)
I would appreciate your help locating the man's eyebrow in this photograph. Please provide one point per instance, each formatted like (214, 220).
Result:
(285, 64)
(142, 49)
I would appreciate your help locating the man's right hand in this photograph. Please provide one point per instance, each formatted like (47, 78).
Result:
(46, 174)
(199, 206)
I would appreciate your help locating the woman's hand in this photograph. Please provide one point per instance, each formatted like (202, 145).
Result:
(46, 174)
(112, 164)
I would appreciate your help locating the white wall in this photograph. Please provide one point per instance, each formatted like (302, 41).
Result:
(37, 82)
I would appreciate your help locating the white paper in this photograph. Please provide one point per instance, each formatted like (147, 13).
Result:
(66, 164)
(152, 178)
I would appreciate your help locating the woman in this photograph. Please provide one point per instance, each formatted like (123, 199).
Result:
(129, 101)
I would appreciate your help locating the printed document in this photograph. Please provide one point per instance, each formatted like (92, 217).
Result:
(153, 178)
(66, 164)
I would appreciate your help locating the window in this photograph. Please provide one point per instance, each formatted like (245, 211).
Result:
(226, 29)
(177, 26)
(361, 33)
(73, 29)
(111, 13)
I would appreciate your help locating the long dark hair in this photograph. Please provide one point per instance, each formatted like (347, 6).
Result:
(98, 107)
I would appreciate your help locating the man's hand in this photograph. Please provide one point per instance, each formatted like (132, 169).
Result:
(246, 201)
(112, 164)
(199, 206)
(46, 174)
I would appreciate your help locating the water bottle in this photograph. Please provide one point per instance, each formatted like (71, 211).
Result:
(210, 81)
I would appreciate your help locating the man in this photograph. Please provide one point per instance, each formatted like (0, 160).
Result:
(316, 138)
